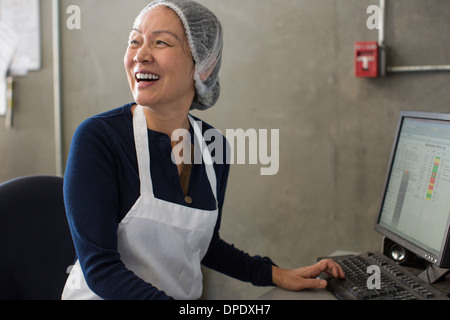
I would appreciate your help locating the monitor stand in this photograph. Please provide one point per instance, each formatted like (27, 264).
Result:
(432, 274)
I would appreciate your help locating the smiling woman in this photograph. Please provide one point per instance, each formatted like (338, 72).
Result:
(142, 224)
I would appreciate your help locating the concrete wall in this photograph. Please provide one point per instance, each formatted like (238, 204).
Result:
(288, 65)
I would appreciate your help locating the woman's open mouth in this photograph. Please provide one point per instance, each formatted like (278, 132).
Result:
(146, 77)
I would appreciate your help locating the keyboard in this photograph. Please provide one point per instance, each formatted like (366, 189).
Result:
(384, 280)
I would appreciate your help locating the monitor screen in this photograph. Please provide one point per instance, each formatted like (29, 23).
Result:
(415, 210)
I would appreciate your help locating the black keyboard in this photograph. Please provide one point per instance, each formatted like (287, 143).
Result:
(390, 282)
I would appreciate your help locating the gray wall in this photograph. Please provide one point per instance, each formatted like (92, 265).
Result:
(288, 65)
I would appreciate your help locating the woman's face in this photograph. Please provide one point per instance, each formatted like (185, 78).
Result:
(158, 62)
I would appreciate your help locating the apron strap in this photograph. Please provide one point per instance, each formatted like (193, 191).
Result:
(142, 149)
(206, 157)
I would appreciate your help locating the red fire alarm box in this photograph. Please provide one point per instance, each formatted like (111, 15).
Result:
(366, 59)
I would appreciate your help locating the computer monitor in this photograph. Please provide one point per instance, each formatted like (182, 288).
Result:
(415, 207)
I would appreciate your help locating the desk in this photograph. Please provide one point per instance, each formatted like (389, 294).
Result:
(307, 294)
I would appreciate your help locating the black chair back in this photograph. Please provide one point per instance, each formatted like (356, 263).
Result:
(36, 247)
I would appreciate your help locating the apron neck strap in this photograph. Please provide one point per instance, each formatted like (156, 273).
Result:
(142, 149)
(206, 156)
(143, 152)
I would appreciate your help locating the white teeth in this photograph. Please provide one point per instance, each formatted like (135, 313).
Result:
(146, 76)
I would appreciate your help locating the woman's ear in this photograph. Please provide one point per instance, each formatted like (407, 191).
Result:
(207, 73)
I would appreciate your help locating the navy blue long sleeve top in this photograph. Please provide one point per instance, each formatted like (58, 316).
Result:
(101, 184)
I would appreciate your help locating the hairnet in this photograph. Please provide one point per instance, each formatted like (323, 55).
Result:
(205, 38)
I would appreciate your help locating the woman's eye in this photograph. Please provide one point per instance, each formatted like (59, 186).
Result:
(162, 43)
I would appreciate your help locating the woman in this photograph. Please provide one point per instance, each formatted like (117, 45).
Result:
(143, 224)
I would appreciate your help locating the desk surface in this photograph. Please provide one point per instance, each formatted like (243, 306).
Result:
(307, 294)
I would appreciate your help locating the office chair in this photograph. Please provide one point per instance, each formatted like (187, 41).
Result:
(35, 242)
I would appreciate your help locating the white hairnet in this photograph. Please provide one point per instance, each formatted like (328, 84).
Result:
(205, 38)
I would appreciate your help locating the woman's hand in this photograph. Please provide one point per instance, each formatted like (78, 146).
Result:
(303, 278)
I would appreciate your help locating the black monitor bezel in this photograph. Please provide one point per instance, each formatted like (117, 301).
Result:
(442, 260)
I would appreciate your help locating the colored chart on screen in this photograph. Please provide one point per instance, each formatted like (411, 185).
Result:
(433, 178)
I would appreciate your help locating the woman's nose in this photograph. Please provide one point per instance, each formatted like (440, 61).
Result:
(143, 55)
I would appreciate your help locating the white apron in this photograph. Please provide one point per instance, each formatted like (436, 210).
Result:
(161, 242)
